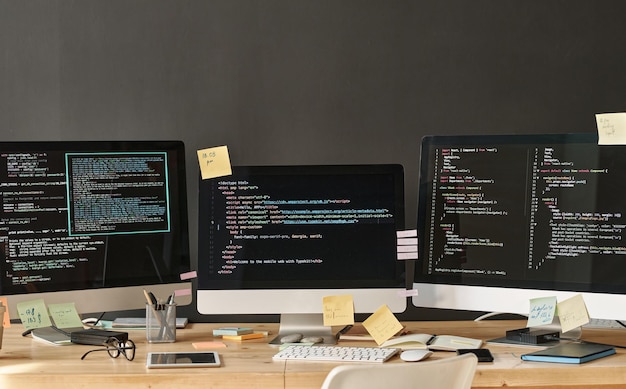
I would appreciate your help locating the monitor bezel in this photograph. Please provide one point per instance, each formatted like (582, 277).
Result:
(270, 299)
(120, 297)
(452, 292)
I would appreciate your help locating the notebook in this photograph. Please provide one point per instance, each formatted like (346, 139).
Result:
(571, 353)
(54, 335)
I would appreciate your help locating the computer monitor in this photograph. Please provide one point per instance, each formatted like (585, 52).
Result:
(278, 239)
(503, 219)
(93, 223)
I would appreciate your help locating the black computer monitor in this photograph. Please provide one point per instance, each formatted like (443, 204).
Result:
(507, 218)
(277, 239)
(93, 223)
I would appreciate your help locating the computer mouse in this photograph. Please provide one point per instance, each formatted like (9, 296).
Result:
(415, 355)
(91, 321)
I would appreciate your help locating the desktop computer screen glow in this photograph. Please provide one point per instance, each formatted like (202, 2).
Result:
(277, 239)
(92, 223)
(503, 219)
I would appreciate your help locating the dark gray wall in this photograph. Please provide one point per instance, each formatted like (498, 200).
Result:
(303, 81)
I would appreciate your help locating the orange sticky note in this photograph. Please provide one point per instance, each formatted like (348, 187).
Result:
(382, 325)
(214, 162)
(208, 345)
(6, 320)
(338, 310)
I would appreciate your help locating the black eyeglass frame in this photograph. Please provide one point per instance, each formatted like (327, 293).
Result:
(114, 347)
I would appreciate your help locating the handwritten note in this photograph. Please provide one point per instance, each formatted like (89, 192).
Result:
(214, 162)
(382, 325)
(611, 128)
(338, 310)
(542, 311)
(33, 314)
(65, 315)
(572, 313)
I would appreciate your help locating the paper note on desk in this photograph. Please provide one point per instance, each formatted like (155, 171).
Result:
(382, 325)
(338, 310)
(34, 314)
(214, 162)
(611, 128)
(572, 313)
(65, 315)
(542, 311)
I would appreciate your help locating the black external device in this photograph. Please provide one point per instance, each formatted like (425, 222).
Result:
(532, 336)
(483, 354)
(97, 337)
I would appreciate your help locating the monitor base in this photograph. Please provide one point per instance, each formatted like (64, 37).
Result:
(306, 324)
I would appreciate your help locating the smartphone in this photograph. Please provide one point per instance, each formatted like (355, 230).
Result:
(483, 354)
(183, 359)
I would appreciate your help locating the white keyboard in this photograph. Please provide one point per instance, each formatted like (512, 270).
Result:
(336, 353)
(603, 323)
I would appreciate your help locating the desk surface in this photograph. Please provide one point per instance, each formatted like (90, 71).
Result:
(30, 363)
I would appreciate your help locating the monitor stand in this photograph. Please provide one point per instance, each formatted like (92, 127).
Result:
(307, 324)
(545, 336)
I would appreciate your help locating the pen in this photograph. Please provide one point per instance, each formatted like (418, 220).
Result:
(170, 310)
(343, 331)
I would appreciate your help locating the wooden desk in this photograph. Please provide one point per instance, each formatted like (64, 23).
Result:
(29, 363)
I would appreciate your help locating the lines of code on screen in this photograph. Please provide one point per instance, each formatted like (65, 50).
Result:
(60, 210)
(290, 228)
(117, 193)
(546, 213)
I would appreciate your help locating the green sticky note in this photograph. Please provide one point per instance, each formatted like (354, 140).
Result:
(33, 314)
(65, 315)
(542, 311)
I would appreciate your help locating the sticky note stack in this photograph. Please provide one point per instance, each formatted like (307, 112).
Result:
(237, 333)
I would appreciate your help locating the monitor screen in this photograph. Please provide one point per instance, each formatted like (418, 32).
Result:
(92, 222)
(503, 219)
(277, 239)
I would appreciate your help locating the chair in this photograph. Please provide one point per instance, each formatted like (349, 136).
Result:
(447, 373)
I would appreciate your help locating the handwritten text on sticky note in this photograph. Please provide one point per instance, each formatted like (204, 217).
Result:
(611, 128)
(65, 315)
(338, 310)
(542, 311)
(572, 313)
(214, 162)
(382, 325)
(34, 314)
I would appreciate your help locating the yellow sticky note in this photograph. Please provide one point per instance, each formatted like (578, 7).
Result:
(65, 315)
(6, 320)
(572, 313)
(214, 162)
(542, 311)
(611, 128)
(33, 314)
(338, 310)
(382, 325)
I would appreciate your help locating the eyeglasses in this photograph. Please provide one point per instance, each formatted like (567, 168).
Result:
(114, 347)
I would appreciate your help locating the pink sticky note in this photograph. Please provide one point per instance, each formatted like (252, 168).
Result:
(188, 275)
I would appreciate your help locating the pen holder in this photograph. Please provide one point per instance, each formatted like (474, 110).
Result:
(161, 323)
